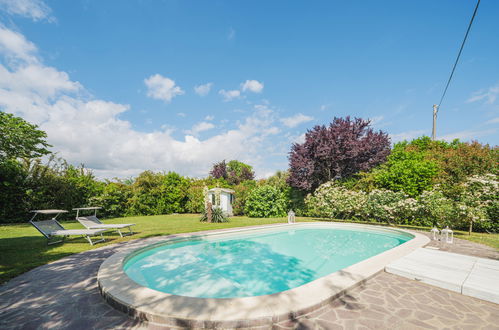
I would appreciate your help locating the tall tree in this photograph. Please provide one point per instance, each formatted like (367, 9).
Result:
(20, 139)
(337, 151)
(219, 170)
(234, 171)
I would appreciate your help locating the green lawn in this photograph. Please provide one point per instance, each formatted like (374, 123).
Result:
(23, 248)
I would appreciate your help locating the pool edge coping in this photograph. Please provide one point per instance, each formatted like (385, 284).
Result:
(150, 305)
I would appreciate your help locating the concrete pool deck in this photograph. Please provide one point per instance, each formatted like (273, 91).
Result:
(64, 294)
(468, 275)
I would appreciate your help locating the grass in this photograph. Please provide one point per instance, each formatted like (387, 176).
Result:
(23, 247)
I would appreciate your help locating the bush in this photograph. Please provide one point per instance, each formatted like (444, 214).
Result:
(478, 202)
(265, 202)
(388, 206)
(437, 210)
(158, 193)
(406, 171)
(242, 192)
(217, 215)
(332, 201)
(195, 199)
(114, 200)
(14, 202)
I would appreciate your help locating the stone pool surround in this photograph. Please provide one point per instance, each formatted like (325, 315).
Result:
(146, 304)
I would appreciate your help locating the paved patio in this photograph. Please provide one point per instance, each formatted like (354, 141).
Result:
(64, 295)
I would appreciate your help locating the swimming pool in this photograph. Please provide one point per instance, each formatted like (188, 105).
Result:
(257, 263)
(247, 277)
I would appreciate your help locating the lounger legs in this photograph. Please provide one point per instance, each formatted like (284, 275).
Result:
(127, 234)
(54, 242)
(93, 242)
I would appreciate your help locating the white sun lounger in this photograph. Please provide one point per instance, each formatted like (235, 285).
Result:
(92, 222)
(52, 228)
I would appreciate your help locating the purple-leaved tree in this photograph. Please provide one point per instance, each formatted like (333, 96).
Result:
(234, 171)
(337, 151)
(219, 170)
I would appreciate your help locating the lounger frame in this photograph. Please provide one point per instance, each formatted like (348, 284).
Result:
(50, 236)
(93, 218)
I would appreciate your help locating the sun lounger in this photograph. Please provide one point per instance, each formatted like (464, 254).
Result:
(52, 228)
(92, 222)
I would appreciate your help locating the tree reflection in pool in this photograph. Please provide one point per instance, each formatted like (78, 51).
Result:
(257, 263)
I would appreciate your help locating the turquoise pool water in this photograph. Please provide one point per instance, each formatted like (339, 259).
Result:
(255, 263)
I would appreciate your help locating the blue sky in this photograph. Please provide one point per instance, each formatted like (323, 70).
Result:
(124, 86)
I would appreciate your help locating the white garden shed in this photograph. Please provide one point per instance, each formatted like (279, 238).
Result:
(223, 198)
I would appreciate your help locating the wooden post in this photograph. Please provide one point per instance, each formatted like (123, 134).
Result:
(209, 210)
(434, 130)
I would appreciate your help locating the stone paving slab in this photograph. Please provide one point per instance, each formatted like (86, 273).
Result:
(64, 295)
(468, 275)
(483, 281)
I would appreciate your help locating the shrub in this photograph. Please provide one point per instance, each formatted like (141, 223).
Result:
(242, 192)
(387, 206)
(333, 201)
(265, 202)
(406, 171)
(217, 215)
(478, 200)
(158, 193)
(195, 199)
(436, 209)
(114, 199)
(14, 201)
(460, 160)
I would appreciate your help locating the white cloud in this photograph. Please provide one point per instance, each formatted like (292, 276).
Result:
(296, 120)
(200, 127)
(209, 117)
(489, 95)
(230, 95)
(46, 81)
(162, 88)
(468, 135)
(16, 48)
(232, 34)
(181, 114)
(37, 10)
(299, 139)
(376, 120)
(408, 135)
(203, 90)
(493, 121)
(252, 85)
(91, 131)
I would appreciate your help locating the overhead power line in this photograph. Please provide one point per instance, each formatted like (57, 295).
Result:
(436, 107)
(459, 54)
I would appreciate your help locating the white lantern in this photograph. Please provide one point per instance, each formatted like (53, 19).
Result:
(435, 233)
(447, 235)
(291, 216)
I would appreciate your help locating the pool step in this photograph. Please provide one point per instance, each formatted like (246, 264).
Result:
(471, 276)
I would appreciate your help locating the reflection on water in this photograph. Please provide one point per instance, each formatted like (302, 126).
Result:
(254, 264)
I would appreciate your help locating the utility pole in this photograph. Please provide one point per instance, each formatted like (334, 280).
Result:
(434, 131)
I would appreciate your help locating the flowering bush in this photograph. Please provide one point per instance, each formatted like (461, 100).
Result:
(478, 202)
(436, 209)
(337, 202)
(387, 206)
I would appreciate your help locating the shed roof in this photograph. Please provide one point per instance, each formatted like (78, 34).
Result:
(230, 191)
